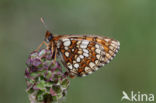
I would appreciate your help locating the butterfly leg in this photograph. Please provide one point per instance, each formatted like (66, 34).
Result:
(41, 45)
(53, 52)
(55, 55)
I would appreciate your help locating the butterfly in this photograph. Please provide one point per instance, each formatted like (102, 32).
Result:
(81, 55)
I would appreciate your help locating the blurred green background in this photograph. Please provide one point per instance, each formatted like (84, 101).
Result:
(132, 22)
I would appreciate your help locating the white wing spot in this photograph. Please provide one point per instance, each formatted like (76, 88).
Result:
(111, 52)
(85, 50)
(85, 54)
(70, 66)
(74, 61)
(83, 75)
(81, 56)
(102, 53)
(116, 42)
(97, 46)
(96, 68)
(111, 58)
(78, 42)
(88, 70)
(67, 43)
(78, 59)
(108, 55)
(98, 56)
(114, 54)
(66, 48)
(102, 59)
(107, 40)
(106, 60)
(86, 42)
(83, 46)
(79, 52)
(76, 65)
(91, 64)
(67, 54)
(111, 47)
(96, 62)
(98, 51)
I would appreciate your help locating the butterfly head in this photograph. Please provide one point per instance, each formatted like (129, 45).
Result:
(48, 37)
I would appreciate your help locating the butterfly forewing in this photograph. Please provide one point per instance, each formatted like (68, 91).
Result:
(82, 55)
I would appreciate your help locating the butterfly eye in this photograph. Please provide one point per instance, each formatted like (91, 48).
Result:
(50, 37)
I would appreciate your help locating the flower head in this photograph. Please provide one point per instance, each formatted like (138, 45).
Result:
(46, 82)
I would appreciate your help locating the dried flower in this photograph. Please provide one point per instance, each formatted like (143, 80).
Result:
(46, 82)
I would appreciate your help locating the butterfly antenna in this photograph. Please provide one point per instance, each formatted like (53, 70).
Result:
(43, 22)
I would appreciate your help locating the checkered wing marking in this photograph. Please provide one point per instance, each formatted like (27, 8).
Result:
(84, 55)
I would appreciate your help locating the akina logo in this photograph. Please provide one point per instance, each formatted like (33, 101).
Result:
(137, 97)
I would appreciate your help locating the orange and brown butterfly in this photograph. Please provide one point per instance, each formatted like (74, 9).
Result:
(81, 55)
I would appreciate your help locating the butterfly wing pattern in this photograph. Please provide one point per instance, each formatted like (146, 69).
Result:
(82, 55)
